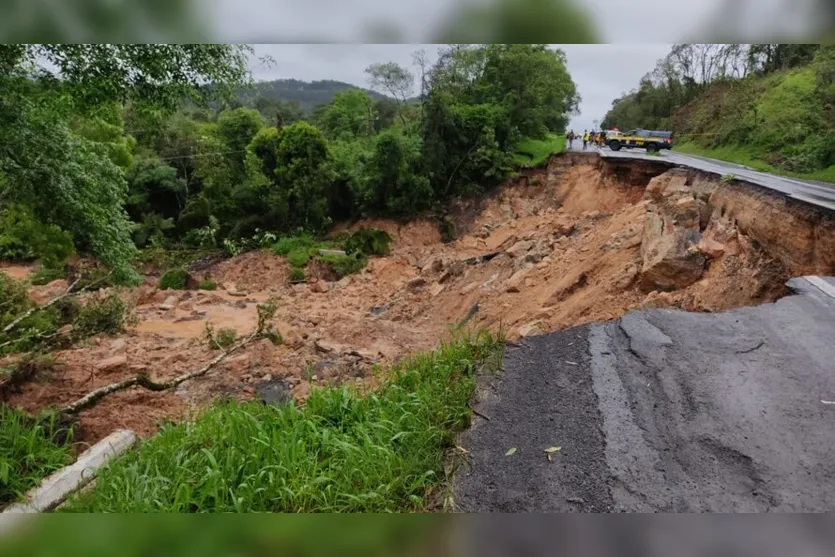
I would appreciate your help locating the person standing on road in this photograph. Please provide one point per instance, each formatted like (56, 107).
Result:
(585, 139)
(570, 138)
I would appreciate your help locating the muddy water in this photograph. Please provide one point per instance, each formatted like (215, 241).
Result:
(17, 272)
(237, 313)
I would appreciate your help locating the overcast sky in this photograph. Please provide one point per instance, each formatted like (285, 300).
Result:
(601, 72)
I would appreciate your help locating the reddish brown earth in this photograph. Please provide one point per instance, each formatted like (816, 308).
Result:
(569, 244)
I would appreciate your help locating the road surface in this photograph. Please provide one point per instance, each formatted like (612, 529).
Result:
(666, 411)
(820, 194)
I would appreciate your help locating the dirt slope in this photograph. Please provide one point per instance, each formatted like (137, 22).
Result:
(563, 247)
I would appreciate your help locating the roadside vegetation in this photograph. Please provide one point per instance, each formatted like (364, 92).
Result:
(535, 153)
(745, 157)
(30, 450)
(767, 106)
(343, 451)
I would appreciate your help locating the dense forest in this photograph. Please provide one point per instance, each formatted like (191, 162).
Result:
(768, 102)
(112, 149)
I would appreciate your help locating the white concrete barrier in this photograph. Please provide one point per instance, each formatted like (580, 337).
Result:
(55, 489)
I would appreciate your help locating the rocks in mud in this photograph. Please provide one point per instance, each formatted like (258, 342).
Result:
(672, 181)
(327, 347)
(627, 278)
(112, 363)
(672, 232)
(669, 263)
(377, 311)
(436, 289)
(530, 329)
(513, 284)
(469, 288)
(567, 285)
(519, 248)
(319, 287)
(118, 345)
(655, 300)
(416, 284)
(711, 248)
(563, 227)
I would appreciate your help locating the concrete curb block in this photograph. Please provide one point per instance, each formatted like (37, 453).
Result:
(822, 285)
(56, 488)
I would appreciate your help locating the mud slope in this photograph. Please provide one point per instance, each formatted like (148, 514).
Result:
(581, 242)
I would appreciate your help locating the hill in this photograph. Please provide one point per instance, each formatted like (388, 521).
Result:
(308, 95)
(767, 106)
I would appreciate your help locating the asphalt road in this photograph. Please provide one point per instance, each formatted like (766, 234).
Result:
(665, 411)
(816, 193)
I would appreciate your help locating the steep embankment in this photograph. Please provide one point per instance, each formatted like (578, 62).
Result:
(582, 241)
(783, 122)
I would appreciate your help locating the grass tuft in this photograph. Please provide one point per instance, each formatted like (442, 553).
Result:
(29, 451)
(341, 452)
(534, 153)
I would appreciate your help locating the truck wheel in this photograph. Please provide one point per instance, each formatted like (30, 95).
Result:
(652, 148)
(614, 145)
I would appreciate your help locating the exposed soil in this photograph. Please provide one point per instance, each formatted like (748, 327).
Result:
(563, 249)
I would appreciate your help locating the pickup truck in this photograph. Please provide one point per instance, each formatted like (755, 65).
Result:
(651, 140)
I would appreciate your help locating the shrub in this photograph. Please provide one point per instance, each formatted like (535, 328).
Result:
(447, 230)
(344, 265)
(14, 299)
(298, 258)
(368, 241)
(174, 279)
(224, 339)
(29, 451)
(102, 314)
(207, 285)
(24, 238)
(294, 243)
(296, 274)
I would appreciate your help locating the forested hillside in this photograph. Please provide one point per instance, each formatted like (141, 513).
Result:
(308, 95)
(129, 149)
(767, 105)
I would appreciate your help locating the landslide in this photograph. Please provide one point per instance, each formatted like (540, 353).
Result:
(579, 242)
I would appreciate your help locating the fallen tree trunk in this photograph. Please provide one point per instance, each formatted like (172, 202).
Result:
(93, 397)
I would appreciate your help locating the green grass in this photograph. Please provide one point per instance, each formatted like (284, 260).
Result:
(533, 153)
(300, 250)
(29, 452)
(343, 451)
(344, 265)
(747, 157)
(207, 284)
(173, 279)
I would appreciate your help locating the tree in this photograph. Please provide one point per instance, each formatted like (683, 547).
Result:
(395, 182)
(294, 163)
(302, 171)
(237, 128)
(481, 102)
(48, 164)
(351, 114)
(393, 79)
